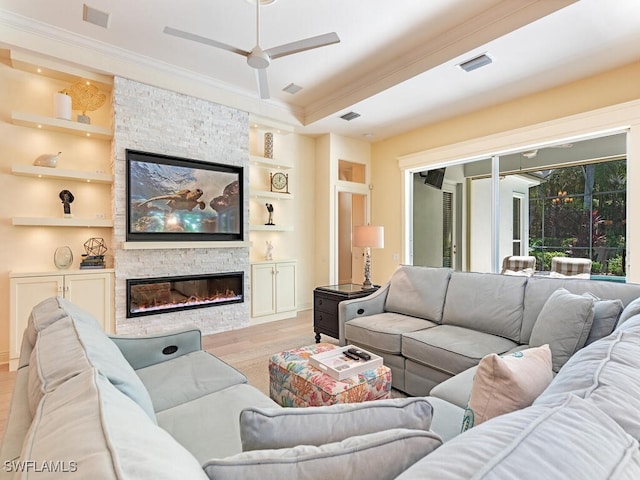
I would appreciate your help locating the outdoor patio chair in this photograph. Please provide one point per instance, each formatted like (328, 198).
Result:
(518, 265)
(564, 267)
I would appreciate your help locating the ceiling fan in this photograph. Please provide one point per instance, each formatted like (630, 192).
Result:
(258, 58)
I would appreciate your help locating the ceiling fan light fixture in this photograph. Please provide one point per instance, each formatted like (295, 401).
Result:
(476, 62)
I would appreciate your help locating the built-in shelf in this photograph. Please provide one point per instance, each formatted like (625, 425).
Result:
(58, 125)
(268, 194)
(59, 173)
(271, 228)
(47, 67)
(264, 162)
(61, 222)
(176, 245)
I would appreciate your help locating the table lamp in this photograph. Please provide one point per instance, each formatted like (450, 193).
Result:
(368, 237)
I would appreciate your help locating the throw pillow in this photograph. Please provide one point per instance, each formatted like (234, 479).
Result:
(505, 384)
(564, 323)
(262, 428)
(383, 454)
(605, 318)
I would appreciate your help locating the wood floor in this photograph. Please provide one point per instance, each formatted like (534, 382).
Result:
(239, 348)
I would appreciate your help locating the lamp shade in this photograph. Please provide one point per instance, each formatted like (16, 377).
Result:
(368, 236)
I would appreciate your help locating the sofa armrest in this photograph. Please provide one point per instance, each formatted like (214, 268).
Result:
(142, 352)
(361, 307)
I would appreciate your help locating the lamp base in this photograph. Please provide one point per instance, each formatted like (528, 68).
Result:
(367, 284)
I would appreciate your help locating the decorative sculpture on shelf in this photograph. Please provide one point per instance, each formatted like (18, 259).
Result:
(268, 145)
(95, 246)
(270, 211)
(85, 96)
(67, 199)
(47, 160)
(269, 255)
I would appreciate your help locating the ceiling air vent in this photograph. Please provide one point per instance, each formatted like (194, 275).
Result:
(91, 15)
(292, 88)
(349, 116)
(476, 62)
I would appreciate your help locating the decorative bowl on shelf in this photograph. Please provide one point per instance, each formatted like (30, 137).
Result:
(63, 257)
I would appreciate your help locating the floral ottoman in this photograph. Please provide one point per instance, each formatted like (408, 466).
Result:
(294, 383)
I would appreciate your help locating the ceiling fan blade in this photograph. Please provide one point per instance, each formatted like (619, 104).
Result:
(302, 45)
(263, 84)
(207, 41)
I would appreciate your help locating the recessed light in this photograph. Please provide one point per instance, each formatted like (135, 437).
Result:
(476, 62)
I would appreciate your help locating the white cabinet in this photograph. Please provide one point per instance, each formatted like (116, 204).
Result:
(273, 290)
(89, 290)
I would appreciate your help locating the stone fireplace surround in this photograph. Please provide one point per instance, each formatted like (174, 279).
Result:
(155, 120)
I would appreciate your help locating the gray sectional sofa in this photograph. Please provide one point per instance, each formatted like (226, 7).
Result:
(160, 407)
(431, 324)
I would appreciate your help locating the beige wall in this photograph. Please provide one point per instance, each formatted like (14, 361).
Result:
(611, 88)
(31, 249)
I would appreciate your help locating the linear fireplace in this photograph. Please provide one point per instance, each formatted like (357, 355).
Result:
(149, 296)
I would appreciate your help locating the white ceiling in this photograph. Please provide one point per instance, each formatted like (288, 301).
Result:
(395, 64)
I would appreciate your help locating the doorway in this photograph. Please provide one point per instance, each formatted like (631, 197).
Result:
(436, 223)
(351, 212)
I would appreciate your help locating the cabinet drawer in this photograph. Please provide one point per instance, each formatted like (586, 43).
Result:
(325, 323)
(325, 304)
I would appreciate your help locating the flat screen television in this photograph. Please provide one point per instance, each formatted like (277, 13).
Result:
(178, 199)
(434, 177)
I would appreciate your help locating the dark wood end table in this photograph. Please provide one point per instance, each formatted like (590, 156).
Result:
(325, 305)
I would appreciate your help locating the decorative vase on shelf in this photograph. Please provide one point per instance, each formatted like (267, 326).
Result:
(63, 257)
(62, 106)
(268, 145)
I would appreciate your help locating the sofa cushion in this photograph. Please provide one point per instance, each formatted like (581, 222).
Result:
(571, 440)
(452, 349)
(209, 426)
(606, 374)
(605, 318)
(508, 383)
(418, 291)
(564, 323)
(486, 302)
(70, 346)
(91, 428)
(186, 378)
(381, 455)
(630, 310)
(383, 331)
(262, 428)
(42, 315)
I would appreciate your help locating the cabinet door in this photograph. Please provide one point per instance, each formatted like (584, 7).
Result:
(92, 292)
(285, 287)
(26, 293)
(263, 296)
